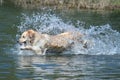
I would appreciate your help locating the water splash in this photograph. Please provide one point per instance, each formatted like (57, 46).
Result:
(101, 39)
(105, 40)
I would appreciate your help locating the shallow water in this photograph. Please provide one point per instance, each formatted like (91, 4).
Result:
(101, 61)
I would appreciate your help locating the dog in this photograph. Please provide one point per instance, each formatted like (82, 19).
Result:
(40, 43)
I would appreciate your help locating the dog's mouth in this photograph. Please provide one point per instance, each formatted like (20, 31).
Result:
(23, 45)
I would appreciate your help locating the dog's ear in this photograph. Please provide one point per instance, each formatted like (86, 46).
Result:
(31, 34)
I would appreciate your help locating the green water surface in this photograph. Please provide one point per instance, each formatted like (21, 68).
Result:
(58, 67)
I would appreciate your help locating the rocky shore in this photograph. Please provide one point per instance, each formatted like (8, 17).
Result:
(67, 4)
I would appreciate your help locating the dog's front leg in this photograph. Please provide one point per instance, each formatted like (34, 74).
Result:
(37, 50)
(26, 48)
(41, 51)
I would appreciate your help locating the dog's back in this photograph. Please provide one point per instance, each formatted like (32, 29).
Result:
(63, 40)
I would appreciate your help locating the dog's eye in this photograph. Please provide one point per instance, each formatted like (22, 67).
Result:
(23, 36)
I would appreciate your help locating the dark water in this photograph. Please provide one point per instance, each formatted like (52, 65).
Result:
(100, 62)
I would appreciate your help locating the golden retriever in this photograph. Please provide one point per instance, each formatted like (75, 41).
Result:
(40, 43)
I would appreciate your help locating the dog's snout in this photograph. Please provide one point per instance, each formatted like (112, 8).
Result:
(19, 42)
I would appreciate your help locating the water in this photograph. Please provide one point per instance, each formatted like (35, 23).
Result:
(101, 61)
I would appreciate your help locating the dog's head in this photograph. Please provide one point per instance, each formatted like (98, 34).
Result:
(27, 37)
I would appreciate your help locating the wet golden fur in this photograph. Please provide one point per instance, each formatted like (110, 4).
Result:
(40, 43)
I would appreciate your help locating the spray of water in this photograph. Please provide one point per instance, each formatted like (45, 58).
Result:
(101, 39)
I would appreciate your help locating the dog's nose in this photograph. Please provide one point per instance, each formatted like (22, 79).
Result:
(17, 41)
